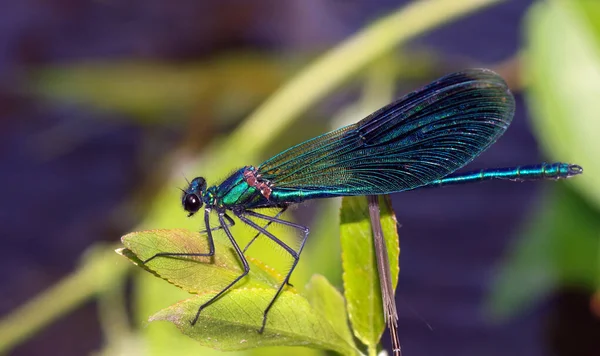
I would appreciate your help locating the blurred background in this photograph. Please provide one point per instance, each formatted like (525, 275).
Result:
(106, 106)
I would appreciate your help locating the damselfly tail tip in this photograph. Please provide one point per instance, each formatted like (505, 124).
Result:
(574, 170)
(393, 326)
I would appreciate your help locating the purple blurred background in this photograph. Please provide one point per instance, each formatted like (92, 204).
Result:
(56, 205)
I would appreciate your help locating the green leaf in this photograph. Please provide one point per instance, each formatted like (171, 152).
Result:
(561, 65)
(329, 303)
(361, 279)
(232, 322)
(560, 247)
(324, 255)
(194, 274)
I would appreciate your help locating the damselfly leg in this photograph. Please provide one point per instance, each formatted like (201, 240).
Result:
(230, 223)
(211, 244)
(296, 255)
(238, 251)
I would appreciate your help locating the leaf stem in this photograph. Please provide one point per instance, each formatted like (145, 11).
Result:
(372, 350)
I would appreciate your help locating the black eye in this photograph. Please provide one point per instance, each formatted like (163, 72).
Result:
(192, 203)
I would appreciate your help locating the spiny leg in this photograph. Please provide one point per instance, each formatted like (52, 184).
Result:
(211, 244)
(265, 227)
(295, 255)
(240, 255)
(230, 223)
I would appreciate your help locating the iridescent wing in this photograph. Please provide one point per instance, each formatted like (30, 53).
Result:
(423, 136)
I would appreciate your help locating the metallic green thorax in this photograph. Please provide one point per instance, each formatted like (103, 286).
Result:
(235, 191)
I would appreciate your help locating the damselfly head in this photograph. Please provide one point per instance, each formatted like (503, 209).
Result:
(192, 196)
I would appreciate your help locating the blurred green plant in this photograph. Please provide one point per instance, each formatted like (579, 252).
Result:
(561, 69)
(558, 247)
(153, 92)
(563, 77)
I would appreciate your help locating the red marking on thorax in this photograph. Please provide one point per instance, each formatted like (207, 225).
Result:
(253, 180)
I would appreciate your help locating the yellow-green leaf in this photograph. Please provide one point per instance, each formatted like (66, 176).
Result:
(361, 279)
(194, 274)
(232, 322)
(327, 301)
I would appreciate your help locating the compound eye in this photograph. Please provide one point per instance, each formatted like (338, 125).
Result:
(192, 203)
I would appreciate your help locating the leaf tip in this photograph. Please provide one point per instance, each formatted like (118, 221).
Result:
(165, 316)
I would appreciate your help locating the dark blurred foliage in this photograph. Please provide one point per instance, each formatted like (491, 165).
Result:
(570, 327)
(70, 172)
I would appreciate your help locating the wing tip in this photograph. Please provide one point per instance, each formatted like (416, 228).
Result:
(481, 74)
